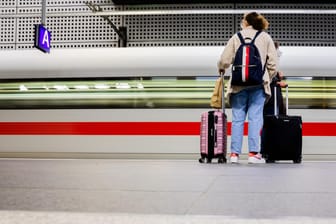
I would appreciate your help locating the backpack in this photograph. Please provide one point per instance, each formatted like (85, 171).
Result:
(247, 67)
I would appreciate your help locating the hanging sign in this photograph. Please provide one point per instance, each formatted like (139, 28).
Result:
(42, 38)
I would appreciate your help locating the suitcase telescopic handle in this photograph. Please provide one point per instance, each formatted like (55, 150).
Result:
(276, 112)
(223, 92)
(287, 99)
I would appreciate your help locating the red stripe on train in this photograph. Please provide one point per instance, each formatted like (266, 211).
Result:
(134, 128)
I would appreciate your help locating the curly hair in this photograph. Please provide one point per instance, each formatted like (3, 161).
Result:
(256, 20)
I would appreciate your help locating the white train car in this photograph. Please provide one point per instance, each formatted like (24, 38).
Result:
(156, 61)
(141, 102)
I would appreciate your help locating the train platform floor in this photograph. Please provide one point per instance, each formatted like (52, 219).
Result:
(136, 191)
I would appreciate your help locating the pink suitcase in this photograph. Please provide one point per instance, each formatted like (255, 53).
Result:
(213, 139)
(213, 136)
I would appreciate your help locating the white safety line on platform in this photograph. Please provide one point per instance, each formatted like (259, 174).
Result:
(10, 217)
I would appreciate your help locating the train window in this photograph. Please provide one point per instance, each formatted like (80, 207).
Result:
(145, 92)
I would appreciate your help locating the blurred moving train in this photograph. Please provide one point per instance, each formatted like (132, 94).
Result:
(142, 102)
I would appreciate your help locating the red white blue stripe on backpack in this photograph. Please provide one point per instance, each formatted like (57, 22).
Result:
(245, 62)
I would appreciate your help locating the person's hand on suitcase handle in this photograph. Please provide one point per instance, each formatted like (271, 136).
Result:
(282, 84)
(221, 71)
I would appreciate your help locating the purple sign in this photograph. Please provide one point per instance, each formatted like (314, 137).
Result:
(42, 38)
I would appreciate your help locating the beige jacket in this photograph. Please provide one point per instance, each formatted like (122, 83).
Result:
(266, 49)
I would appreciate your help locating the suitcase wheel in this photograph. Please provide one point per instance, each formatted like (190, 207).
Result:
(267, 159)
(270, 161)
(299, 160)
(222, 160)
(204, 160)
(208, 160)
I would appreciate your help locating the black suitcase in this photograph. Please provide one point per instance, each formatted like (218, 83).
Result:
(282, 136)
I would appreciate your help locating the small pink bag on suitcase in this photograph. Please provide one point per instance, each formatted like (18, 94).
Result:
(213, 136)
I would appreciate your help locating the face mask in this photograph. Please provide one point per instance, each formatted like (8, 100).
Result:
(279, 53)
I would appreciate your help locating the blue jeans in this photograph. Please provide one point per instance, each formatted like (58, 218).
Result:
(248, 101)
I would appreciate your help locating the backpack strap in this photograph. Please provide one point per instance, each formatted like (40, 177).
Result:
(241, 38)
(255, 37)
(252, 42)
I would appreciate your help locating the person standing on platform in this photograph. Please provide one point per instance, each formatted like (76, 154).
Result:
(249, 100)
(276, 81)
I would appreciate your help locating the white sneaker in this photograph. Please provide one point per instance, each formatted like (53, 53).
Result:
(234, 158)
(255, 158)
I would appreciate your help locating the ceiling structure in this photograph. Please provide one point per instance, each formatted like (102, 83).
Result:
(140, 2)
(73, 24)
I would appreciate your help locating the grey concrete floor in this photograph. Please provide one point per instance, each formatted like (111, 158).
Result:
(165, 191)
